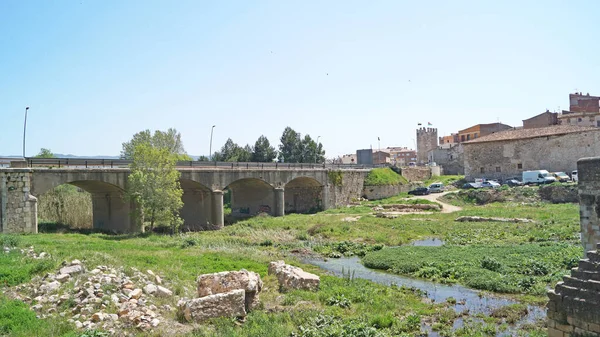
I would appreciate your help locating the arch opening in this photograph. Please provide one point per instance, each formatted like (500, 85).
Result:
(85, 205)
(197, 206)
(249, 197)
(303, 195)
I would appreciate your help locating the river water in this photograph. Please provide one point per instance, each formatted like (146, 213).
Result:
(467, 299)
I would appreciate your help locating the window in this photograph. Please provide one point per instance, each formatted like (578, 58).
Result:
(598, 123)
(497, 168)
(468, 137)
(520, 166)
(450, 157)
(462, 138)
(475, 136)
(579, 119)
(481, 170)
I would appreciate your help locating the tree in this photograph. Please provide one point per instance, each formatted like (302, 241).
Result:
(203, 158)
(232, 152)
(169, 140)
(153, 185)
(45, 153)
(263, 151)
(290, 147)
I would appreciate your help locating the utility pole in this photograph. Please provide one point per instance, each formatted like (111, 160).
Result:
(210, 146)
(317, 149)
(24, 129)
(379, 151)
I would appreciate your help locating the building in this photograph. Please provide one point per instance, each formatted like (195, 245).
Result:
(402, 156)
(349, 159)
(450, 157)
(427, 140)
(508, 153)
(452, 139)
(584, 110)
(381, 157)
(481, 130)
(542, 120)
(364, 157)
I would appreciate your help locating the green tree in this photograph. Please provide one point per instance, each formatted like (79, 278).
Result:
(153, 185)
(45, 153)
(263, 151)
(169, 140)
(311, 151)
(232, 152)
(290, 148)
(203, 158)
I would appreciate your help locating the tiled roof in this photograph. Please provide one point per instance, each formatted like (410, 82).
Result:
(532, 133)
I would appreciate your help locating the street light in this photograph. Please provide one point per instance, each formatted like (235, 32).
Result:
(317, 149)
(210, 147)
(379, 151)
(24, 128)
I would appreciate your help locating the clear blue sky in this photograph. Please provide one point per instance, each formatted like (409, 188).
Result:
(96, 72)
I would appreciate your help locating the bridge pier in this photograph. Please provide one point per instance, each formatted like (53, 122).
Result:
(218, 215)
(111, 212)
(279, 202)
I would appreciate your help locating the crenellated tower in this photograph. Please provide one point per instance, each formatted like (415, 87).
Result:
(427, 140)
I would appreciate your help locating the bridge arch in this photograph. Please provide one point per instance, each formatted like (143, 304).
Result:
(251, 196)
(197, 207)
(304, 195)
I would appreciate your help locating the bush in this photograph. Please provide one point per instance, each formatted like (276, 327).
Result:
(9, 240)
(338, 301)
(490, 263)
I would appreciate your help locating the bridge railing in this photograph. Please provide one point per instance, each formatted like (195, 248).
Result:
(79, 163)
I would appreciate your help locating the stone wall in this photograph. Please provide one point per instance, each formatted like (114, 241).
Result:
(343, 187)
(18, 208)
(303, 199)
(416, 173)
(509, 158)
(385, 191)
(427, 140)
(573, 304)
(450, 158)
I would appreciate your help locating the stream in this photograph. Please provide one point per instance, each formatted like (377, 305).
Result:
(474, 301)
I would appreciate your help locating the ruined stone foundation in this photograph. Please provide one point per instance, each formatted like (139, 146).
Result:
(574, 305)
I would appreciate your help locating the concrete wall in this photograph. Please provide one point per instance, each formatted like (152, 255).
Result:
(501, 159)
(385, 191)
(18, 208)
(427, 140)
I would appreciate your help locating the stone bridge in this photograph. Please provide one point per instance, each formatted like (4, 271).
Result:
(275, 191)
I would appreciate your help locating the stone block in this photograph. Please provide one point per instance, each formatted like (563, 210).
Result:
(564, 327)
(552, 332)
(291, 277)
(216, 283)
(594, 327)
(228, 304)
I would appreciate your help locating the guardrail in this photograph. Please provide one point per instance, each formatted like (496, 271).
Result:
(122, 163)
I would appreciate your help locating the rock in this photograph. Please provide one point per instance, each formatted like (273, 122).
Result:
(97, 317)
(158, 279)
(73, 269)
(78, 324)
(75, 262)
(136, 293)
(483, 219)
(115, 299)
(163, 292)
(123, 312)
(43, 255)
(37, 307)
(113, 317)
(351, 219)
(127, 285)
(290, 277)
(154, 322)
(250, 282)
(150, 289)
(228, 304)
(150, 272)
(62, 278)
(95, 271)
(50, 287)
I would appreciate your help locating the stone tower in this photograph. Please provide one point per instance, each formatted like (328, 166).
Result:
(427, 140)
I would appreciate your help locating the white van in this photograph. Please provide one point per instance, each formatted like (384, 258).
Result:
(436, 188)
(574, 176)
(537, 177)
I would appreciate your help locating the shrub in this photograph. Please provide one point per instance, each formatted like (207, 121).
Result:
(338, 301)
(9, 240)
(490, 263)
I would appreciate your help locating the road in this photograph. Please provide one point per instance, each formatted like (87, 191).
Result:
(446, 208)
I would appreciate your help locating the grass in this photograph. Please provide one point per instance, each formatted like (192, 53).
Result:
(445, 179)
(384, 176)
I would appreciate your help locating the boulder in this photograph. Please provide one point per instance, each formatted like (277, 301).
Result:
(150, 289)
(62, 278)
(135, 294)
(227, 304)
(164, 292)
(217, 283)
(50, 287)
(74, 269)
(290, 277)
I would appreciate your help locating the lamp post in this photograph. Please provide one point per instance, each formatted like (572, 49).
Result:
(24, 129)
(210, 147)
(317, 150)
(379, 151)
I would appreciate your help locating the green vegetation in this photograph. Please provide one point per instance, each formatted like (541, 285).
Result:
(445, 179)
(335, 177)
(384, 176)
(45, 153)
(154, 186)
(66, 205)
(295, 149)
(169, 140)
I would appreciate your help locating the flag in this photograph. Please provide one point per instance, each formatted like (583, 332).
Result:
(429, 123)
(419, 124)
(378, 138)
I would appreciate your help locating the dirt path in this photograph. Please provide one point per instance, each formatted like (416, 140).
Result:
(446, 208)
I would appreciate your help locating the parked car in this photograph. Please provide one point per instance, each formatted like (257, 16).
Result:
(436, 188)
(538, 177)
(471, 186)
(419, 191)
(561, 176)
(513, 182)
(490, 184)
(574, 176)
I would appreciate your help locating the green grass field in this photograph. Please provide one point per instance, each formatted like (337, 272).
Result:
(516, 258)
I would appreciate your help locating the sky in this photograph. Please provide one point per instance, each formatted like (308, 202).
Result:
(96, 72)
